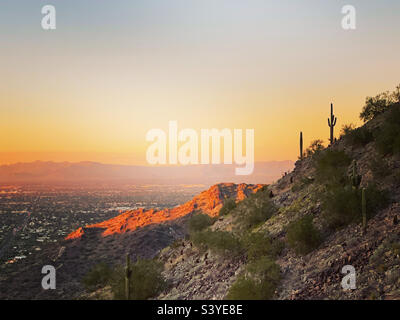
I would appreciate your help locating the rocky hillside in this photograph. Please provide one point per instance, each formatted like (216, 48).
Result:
(140, 233)
(320, 187)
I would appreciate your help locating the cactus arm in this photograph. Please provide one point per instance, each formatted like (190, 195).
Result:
(301, 145)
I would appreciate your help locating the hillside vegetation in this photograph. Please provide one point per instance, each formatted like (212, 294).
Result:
(290, 240)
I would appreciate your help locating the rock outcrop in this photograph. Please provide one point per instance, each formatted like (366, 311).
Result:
(208, 202)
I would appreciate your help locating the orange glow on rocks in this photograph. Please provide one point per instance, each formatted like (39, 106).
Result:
(209, 202)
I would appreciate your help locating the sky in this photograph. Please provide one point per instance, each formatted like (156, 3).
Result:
(113, 70)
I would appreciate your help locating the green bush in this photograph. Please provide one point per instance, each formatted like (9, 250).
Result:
(379, 167)
(376, 200)
(254, 210)
(331, 167)
(146, 280)
(198, 222)
(257, 244)
(315, 147)
(265, 268)
(388, 135)
(360, 136)
(260, 283)
(342, 205)
(229, 205)
(99, 276)
(302, 236)
(388, 139)
(301, 183)
(222, 242)
(245, 289)
(347, 129)
(377, 105)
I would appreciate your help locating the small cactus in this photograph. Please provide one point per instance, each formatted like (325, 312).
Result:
(364, 210)
(331, 124)
(354, 177)
(301, 145)
(128, 273)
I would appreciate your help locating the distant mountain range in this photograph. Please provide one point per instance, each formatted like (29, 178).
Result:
(48, 172)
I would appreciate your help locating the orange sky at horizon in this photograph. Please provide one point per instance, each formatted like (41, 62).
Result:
(89, 90)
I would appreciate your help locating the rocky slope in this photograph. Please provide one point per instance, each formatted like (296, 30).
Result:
(375, 255)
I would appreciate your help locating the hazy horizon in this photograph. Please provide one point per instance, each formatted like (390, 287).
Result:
(206, 174)
(122, 164)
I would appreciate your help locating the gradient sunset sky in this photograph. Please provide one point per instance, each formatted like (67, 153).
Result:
(112, 70)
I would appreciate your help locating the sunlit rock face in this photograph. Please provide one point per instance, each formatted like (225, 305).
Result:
(208, 202)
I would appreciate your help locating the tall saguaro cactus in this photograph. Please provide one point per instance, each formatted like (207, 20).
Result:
(301, 145)
(331, 124)
(128, 273)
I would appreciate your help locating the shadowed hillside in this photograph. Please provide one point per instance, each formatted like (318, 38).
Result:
(339, 206)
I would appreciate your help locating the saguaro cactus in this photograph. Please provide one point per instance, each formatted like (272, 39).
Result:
(364, 210)
(331, 124)
(301, 145)
(354, 177)
(128, 273)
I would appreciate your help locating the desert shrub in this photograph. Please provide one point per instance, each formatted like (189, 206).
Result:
(199, 222)
(360, 136)
(376, 200)
(388, 136)
(264, 268)
(377, 105)
(346, 129)
(222, 242)
(331, 167)
(98, 276)
(146, 280)
(303, 236)
(301, 183)
(262, 278)
(315, 147)
(389, 247)
(379, 167)
(257, 244)
(342, 205)
(229, 205)
(255, 209)
(244, 288)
